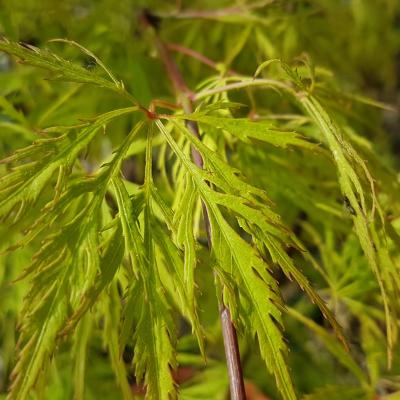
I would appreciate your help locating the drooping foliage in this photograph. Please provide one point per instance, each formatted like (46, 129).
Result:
(110, 277)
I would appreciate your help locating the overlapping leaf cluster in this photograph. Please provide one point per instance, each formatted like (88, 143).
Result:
(119, 260)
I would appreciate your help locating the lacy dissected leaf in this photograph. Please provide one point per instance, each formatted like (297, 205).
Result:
(128, 215)
(260, 301)
(359, 197)
(245, 130)
(300, 191)
(37, 163)
(258, 290)
(63, 69)
(108, 266)
(181, 292)
(179, 274)
(250, 205)
(146, 307)
(80, 350)
(153, 340)
(352, 172)
(70, 253)
(111, 260)
(183, 219)
(111, 337)
(46, 304)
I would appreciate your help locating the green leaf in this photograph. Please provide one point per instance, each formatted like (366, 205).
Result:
(245, 130)
(111, 334)
(148, 310)
(348, 164)
(259, 298)
(63, 69)
(80, 353)
(26, 182)
(108, 267)
(45, 307)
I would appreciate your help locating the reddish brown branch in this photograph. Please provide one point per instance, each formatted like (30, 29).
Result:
(232, 355)
(198, 56)
(191, 53)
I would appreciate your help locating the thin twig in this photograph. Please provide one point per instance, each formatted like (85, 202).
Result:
(229, 332)
(198, 56)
